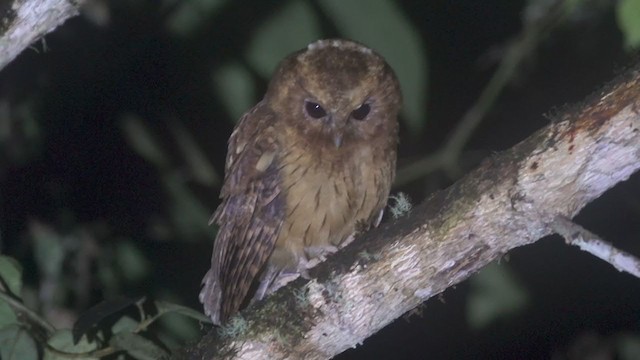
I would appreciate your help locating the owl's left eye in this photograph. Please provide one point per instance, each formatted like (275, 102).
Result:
(361, 112)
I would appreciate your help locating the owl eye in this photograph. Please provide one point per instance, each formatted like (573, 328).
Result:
(314, 110)
(361, 112)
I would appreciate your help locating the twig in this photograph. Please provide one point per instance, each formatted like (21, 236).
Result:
(587, 241)
(17, 305)
(26, 21)
(448, 156)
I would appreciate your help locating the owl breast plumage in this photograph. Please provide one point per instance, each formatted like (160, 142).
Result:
(306, 167)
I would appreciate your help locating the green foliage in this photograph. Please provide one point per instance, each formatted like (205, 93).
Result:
(21, 134)
(189, 15)
(137, 346)
(49, 250)
(628, 16)
(17, 344)
(7, 315)
(235, 88)
(62, 340)
(11, 273)
(124, 324)
(190, 218)
(17, 334)
(291, 28)
(628, 346)
(143, 141)
(188, 215)
(167, 308)
(495, 294)
(199, 166)
(131, 261)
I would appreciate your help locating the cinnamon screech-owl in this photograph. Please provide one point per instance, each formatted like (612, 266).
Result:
(306, 167)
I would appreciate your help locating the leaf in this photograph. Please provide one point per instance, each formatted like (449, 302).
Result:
(48, 249)
(179, 327)
(191, 14)
(381, 25)
(628, 17)
(124, 324)
(17, 344)
(11, 274)
(131, 261)
(166, 307)
(96, 314)
(200, 168)
(63, 340)
(137, 346)
(7, 315)
(495, 294)
(293, 27)
(143, 141)
(628, 346)
(188, 214)
(235, 88)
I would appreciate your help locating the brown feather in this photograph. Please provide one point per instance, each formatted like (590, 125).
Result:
(297, 186)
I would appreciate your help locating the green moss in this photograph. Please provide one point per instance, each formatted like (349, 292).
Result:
(235, 327)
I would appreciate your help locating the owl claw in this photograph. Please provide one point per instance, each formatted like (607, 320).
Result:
(379, 219)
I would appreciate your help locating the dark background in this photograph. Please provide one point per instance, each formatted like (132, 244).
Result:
(71, 163)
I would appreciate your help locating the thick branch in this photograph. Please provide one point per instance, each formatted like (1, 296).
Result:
(511, 200)
(22, 22)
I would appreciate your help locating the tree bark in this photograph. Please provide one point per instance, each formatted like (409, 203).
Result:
(22, 22)
(511, 200)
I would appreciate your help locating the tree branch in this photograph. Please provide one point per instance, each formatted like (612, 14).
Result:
(22, 22)
(576, 235)
(511, 200)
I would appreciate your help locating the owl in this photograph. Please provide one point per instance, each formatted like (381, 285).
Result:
(306, 167)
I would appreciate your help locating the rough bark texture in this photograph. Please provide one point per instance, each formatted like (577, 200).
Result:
(22, 22)
(509, 201)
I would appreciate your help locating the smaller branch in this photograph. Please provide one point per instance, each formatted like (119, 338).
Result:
(587, 241)
(23, 22)
(448, 157)
(17, 305)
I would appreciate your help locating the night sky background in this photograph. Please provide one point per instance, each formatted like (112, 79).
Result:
(113, 133)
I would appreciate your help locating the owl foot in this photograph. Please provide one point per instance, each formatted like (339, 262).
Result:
(379, 219)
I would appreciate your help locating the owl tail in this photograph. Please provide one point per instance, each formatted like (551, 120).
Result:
(266, 283)
(211, 297)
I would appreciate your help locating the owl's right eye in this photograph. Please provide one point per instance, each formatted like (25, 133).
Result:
(314, 110)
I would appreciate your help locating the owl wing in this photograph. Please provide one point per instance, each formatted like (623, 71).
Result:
(249, 217)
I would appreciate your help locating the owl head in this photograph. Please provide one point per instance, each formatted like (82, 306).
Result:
(336, 93)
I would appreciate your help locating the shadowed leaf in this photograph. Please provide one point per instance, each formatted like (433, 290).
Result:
(165, 307)
(291, 28)
(137, 346)
(11, 274)
(96, 314)
(63, 340)
(17, 344)
(628, 17)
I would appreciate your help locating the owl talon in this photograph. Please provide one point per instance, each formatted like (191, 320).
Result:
(379, 219)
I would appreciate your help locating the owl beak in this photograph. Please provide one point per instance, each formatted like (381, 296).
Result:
(337, 140)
